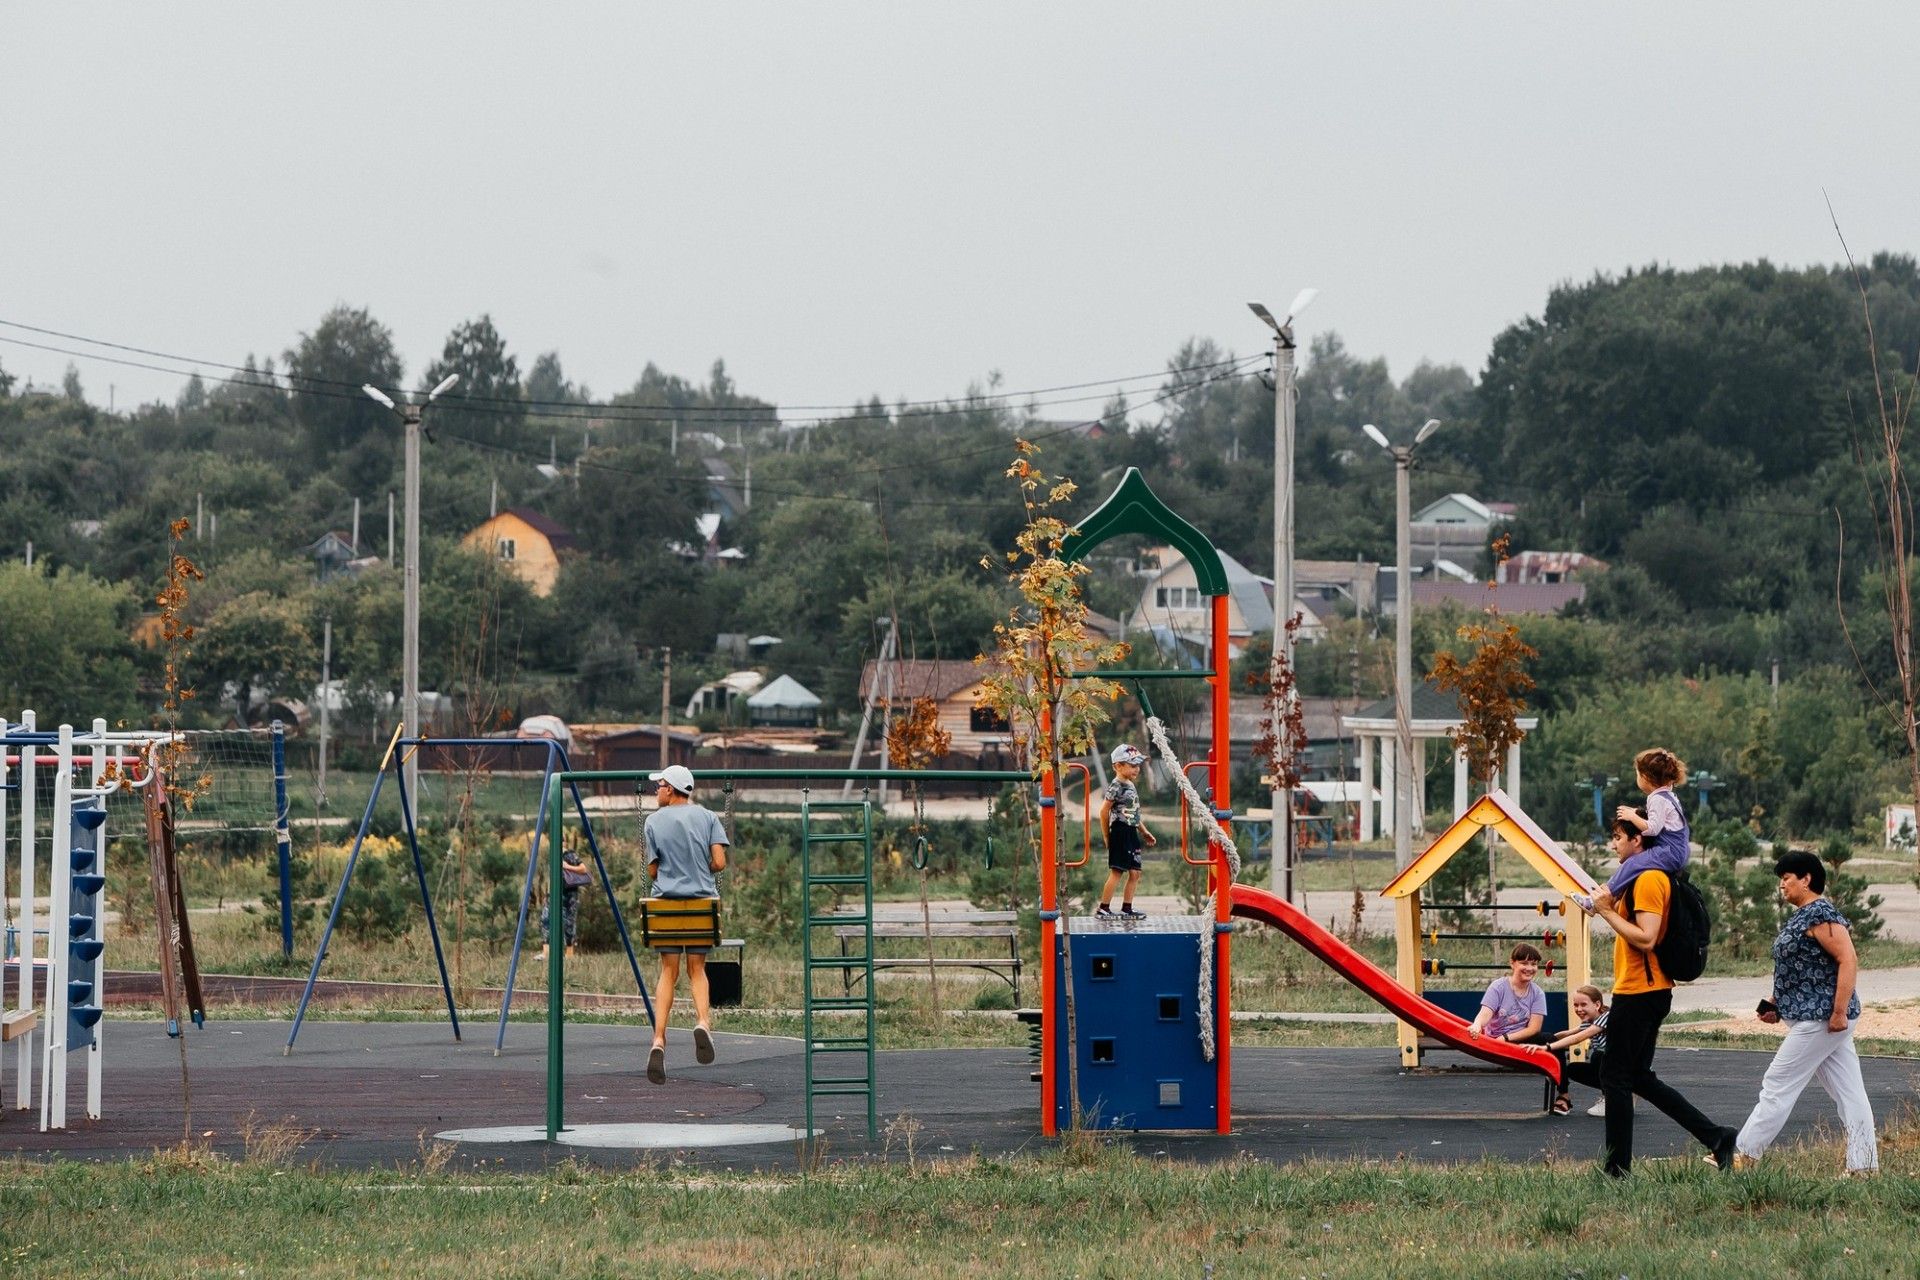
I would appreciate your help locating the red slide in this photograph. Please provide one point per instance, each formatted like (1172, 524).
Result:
(1257, 904)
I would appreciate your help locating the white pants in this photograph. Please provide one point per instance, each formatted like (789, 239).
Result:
(1811, 1052)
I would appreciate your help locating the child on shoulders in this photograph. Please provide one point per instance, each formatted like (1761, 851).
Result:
(1666, 839)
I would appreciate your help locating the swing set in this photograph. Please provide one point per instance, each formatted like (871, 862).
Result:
(555, 766)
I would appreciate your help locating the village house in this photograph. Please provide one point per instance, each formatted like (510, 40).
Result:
(526, 542)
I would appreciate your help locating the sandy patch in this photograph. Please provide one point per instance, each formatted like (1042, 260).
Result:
(1898, 1021)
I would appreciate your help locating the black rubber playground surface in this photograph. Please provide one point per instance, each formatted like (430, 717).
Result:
(373, 1090)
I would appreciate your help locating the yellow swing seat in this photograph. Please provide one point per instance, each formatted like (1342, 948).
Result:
(679, 922)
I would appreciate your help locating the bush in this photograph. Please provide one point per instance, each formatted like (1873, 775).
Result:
(1849, 892)
(381, 897)
(760, 892)
(1743, 901)
(997, 995)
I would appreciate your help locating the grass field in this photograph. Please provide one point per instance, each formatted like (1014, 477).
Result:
(1083, 1209)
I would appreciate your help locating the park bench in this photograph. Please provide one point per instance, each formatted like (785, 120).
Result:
(893, 922)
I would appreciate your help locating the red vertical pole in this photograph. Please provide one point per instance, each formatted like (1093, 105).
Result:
(1221, 681)
(1049, 1008)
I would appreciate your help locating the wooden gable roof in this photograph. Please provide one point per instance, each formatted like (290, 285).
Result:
(1497, 810)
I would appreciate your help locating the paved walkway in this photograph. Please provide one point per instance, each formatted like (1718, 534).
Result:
(366, 1093)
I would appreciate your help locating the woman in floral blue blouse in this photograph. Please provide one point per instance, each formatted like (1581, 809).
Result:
(1813, 993)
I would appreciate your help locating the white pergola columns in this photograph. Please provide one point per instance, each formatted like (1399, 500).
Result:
(1373, 739)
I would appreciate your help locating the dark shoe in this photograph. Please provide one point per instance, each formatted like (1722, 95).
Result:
(1723, 1149)
(657, 1065)
(702, 1046)
(1562, 1105)
(1126, 909)
(1104, 912)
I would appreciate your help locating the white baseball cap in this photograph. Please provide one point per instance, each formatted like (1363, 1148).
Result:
(677, 776)
(1127, 753)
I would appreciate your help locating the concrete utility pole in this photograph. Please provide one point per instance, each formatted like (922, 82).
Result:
(1285, 393)
(1403, 779)
(666, 701)
(326, 697)
(356, 528)
(410, 608)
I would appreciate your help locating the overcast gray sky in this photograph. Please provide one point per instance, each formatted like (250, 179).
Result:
(844, 199)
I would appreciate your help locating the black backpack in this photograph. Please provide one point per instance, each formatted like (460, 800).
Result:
(1682, 948)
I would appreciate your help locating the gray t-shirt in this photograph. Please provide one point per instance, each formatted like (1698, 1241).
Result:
(680, 837)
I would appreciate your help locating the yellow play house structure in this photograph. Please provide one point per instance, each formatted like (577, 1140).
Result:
(1564, 925)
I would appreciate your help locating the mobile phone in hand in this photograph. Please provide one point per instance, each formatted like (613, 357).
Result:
(1766, 1007)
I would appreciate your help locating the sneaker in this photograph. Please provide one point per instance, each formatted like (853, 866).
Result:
(1598, 1109)
(1104, 912)
(1583, 901)
(702, 1046)
(1126, 909)
(657, 1065)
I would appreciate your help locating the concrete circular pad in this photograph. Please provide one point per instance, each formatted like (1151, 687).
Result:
(635, 1137)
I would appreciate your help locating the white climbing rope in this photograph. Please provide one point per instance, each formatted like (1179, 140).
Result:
(1216, 835)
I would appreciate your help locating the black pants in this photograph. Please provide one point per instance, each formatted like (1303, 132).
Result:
(1586, 1073)
(1633, 1032)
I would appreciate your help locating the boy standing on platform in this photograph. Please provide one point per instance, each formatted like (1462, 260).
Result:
(1120, 818)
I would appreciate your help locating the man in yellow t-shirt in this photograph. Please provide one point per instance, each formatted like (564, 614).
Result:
(1642, 998)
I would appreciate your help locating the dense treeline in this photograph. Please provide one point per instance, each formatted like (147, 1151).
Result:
(1696, 429)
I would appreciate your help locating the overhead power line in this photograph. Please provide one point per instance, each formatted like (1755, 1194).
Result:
(312, 385)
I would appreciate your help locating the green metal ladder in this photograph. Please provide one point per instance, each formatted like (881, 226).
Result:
(835, 857)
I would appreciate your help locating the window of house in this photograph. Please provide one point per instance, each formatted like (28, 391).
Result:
(1159, 597)
(987, 720)
(505, 547)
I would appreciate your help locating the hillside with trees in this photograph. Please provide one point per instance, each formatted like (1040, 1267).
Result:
(1702, 431)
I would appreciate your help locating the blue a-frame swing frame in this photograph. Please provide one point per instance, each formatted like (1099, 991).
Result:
(556, 761)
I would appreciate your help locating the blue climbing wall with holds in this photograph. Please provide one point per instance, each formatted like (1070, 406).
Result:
(1136, 986)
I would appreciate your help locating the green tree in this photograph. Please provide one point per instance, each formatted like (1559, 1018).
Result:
(344, 430)
(67, 656)
(488, 404)
(255, 642)
(548, 387)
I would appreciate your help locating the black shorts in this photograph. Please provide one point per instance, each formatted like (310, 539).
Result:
(1123, 847)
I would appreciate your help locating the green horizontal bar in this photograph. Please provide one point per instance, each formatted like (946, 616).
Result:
(802, 775)
(1180, 674)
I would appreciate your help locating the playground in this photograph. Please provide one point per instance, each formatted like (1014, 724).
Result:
(1112, 1038)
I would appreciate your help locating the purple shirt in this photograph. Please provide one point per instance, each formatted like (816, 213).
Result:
(1511, 1010)
(1665, 845)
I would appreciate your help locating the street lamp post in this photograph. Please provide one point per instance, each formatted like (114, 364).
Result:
(1403, 782)
(410, 578)
(1285, 392)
